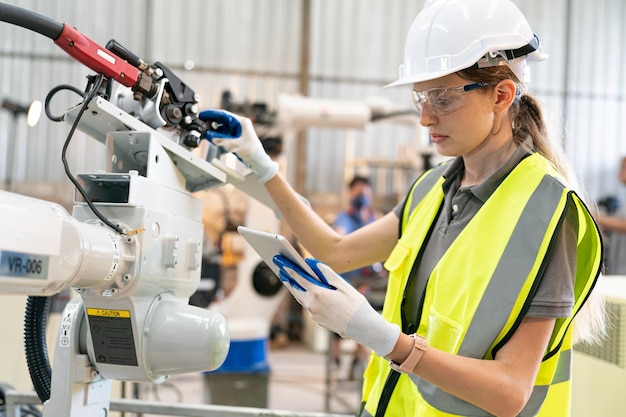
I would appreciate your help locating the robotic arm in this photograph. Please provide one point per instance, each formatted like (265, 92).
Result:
(132, 246)
(152, 93)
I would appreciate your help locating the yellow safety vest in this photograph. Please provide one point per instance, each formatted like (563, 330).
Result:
(481, 288)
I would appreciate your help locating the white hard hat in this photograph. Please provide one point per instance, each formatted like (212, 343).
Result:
(451, 35)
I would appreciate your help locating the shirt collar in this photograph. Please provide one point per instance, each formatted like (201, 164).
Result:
(483, 191)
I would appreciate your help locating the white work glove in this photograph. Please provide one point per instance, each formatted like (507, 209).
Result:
(337, 305)
(236, 134)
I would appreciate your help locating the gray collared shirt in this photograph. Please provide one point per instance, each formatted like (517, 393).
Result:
(555, 295)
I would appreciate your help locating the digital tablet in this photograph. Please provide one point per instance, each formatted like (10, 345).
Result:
(267, 245)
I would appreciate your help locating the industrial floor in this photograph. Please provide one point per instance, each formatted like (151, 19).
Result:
(299, 380)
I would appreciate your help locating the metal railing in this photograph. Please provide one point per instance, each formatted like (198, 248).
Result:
(14, 399)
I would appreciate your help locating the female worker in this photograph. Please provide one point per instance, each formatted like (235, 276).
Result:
(489, 255)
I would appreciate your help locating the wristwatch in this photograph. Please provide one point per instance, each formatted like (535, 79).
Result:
(409, 364)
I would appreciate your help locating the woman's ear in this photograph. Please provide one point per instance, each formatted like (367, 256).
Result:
(505, 94)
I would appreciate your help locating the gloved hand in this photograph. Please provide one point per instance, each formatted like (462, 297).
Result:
(236, 134)
(337, 305)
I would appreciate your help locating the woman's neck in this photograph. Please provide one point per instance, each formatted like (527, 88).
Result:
(480, 165)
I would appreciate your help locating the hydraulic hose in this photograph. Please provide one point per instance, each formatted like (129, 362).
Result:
(35, 319)
(30, 20)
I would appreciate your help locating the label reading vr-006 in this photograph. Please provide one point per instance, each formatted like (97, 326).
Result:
(25, 265)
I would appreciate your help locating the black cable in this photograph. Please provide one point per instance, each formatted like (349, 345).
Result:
(109, 89)
(35, 319)
(69, 174)
(53, 29)
(51, 93)
(30, 20)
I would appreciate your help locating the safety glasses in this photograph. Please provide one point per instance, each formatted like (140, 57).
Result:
(443, 99)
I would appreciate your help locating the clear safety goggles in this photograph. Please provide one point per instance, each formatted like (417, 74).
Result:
(443, 99)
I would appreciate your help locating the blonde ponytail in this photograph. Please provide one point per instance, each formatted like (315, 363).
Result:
(527, 121)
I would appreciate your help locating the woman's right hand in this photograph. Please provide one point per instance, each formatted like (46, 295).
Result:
(236, 134)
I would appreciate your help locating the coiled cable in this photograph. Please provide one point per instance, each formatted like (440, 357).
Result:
(35, 320)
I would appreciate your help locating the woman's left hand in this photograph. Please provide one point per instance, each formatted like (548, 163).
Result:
(337, 305)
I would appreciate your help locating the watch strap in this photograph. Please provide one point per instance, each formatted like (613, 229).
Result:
(419, 347)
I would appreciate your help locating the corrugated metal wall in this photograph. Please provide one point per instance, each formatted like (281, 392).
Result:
(252, 48)
(583, 84)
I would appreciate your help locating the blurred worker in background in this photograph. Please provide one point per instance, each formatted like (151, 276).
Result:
(367, 280)
(490, 255)
(612, 222)
(360, 211)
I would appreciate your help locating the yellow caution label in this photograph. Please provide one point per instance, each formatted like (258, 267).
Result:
(100, 312)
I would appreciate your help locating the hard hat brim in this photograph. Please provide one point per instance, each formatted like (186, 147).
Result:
(418, 78)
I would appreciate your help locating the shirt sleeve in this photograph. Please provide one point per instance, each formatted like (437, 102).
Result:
(555, 296)
(399, 207)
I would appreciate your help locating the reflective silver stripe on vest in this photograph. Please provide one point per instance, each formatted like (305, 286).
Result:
(563, 370)
(365, 413)
(502, 291)
(425, 186)
(562, 373)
